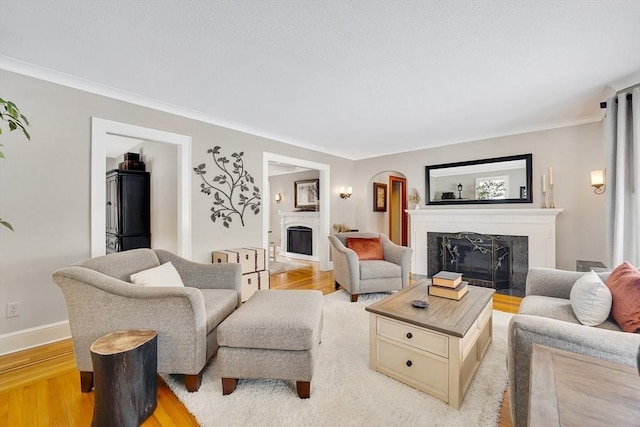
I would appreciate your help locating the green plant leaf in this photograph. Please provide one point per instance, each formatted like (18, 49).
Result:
(6, 224)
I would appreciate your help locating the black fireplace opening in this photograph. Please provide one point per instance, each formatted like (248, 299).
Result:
(300, 240)
(492, 261)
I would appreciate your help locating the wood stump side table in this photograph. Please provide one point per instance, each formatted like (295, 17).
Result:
(125, 366)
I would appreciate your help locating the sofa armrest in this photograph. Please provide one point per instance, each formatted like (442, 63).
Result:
(400, 255)
(204, 276)
(346, 265)
(98, 304)
(525, 330)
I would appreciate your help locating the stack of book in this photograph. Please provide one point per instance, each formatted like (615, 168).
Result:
(450, 285)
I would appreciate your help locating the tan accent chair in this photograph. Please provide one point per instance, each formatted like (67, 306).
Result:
(363, 277)
(100, 299)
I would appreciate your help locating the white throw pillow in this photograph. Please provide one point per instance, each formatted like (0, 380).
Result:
(590, 299)
(164, 275)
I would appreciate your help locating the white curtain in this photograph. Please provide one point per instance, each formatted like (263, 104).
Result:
(623, 177)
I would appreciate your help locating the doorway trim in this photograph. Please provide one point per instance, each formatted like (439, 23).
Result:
(325, 206)
(100, 128)
(403, 215)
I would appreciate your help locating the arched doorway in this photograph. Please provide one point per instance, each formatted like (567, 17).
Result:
(398, 221)
(393, 221)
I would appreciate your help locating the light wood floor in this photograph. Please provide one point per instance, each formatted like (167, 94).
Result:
(41, 386)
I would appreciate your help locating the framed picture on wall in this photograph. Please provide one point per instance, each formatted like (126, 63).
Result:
(306, 194)
(379, 197)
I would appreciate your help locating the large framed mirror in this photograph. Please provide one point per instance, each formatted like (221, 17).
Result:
(496, 180)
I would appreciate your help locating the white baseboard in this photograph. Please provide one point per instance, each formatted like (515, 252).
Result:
(34, 337)
(303, 257)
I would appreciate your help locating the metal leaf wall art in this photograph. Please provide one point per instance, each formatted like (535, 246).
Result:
(233, 190)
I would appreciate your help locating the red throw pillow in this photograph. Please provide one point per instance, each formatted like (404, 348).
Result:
(624, 284)
(366, 248)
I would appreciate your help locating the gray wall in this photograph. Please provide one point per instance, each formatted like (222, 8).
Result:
(45, 189)
(45, 186)
(572, 151)
(161, 161)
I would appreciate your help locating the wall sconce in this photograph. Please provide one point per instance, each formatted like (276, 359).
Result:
(345, 194)
(278, 198)
(597, 181)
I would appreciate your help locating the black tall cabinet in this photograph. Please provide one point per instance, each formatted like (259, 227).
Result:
(128, 210)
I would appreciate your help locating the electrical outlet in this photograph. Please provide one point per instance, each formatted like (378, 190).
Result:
(13, 309)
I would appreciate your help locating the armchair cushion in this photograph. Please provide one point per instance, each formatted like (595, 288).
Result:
(218, 304)
(367, 248)
(163, 275)
(624, 283)
(379, 269)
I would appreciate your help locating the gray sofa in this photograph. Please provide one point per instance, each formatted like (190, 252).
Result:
(100, 299)
(362, 277)
(546, 317)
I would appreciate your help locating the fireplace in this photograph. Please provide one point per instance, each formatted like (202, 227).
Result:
(498, 262)
(308, 220)
(300, 240)
(537, 225)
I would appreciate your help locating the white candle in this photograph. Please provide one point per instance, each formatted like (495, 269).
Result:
(550, 175)
(544, 182)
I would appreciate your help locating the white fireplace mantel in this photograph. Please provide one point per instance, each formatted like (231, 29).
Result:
(307, 219)
(539, 225)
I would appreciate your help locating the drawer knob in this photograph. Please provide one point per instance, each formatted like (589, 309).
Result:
(409, 363)
(409, 335)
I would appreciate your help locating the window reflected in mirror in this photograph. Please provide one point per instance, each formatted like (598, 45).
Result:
(495, 180)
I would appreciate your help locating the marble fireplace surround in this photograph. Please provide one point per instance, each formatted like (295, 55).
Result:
(539, 225)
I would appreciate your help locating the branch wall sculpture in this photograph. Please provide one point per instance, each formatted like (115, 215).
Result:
(231, 190)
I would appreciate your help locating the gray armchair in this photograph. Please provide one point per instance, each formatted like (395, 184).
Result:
(546, 317)
(100, 299)
(362, 277)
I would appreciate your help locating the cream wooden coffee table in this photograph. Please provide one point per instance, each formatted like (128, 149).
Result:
(437, 349)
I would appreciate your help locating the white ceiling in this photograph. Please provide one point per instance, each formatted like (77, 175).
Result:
(352, 78)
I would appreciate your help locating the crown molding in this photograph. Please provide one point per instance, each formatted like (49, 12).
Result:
(74, 82)
(68, 80)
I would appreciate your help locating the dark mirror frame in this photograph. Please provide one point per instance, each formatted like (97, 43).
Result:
(529, 177)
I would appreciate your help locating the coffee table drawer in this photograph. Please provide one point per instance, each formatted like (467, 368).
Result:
(413, 336)
(487, 312)
(419, 369)
(485, 338)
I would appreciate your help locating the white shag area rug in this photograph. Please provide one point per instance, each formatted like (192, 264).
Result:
(276, 267)
(344, 391)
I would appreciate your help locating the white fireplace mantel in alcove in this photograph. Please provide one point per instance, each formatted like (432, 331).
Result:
(539, 225)
(292, 219)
